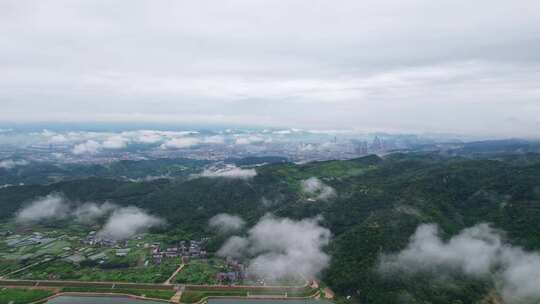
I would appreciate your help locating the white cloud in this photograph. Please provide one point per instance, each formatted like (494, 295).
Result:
(478, 251)
(10, 164)
(226, 223)
(149, 137)
(50, 207)
(235, 247)
(115, 142)
(93, 142)
(59, 138)
(149, 178)
(281, 247)
(181, 143)
(266, 202)
(127, 222)
(92, 146)
(318, 190)
(283, 132)
(91, 212)
(248, 140)
(88, 147)
(121, 222)
(229, 171)
(214, 139)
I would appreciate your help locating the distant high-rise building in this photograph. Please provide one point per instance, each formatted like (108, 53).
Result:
(377, 144)
(361, 148)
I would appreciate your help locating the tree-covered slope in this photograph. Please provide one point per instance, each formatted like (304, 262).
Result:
(379, 204)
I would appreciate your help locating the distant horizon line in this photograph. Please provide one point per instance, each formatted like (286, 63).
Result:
(97, 126)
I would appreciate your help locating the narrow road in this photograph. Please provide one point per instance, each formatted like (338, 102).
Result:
(26, 267)
(168, 282)
(126, 285)
(52, 283)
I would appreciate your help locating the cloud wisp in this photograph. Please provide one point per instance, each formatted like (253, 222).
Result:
(279, 248)
(87, 143)
(318, 190)
(229, 171)
(88, 147)
(56, 206)
(10, 163)
(121, 222)
(181, 143)
(248, 140)
(50, 207)
(89, 213)
(127, 222)
(226, 223)
(115, 142)
(478, 251)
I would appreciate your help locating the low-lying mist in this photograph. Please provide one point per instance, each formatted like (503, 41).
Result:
(89, 213)
(479, 251)
(127, 222)
(277, 248)
(226, 223)
(229, 171)
(318, 190)
(119, 222)
(50, 207)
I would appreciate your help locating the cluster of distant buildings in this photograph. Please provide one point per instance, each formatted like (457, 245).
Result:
(94, 252)
(16, 241)
(36, 238)
(33, 239)
(236, 272)
(185, 250)
(93, 239)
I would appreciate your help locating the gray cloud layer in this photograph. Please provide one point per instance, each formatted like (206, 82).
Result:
(455, 66)
(281, 247)
(478, 251)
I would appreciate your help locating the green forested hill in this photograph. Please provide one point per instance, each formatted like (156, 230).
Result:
(380, 203)
(46, 172)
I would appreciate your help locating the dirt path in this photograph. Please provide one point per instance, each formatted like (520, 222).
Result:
(177, 296)
(168, 282)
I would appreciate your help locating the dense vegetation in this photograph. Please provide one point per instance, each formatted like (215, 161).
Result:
(380, 203)
(198, 272)
(45, 173)
(22, 295)
(63, 270)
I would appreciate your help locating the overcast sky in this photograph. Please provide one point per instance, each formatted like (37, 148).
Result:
(460, 66)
